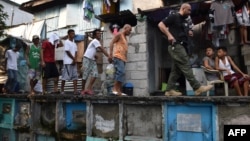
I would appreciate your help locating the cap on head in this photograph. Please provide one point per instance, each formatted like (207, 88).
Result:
(35, 37)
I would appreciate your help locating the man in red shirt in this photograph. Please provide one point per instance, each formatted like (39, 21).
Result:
(48, 61)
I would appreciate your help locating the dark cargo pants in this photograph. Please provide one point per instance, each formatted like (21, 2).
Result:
(180, 65)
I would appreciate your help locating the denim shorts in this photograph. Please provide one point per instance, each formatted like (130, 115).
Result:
(119, 70)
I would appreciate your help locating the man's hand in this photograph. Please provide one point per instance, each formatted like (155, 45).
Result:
(171, 40)
(43, 64)
(73, 62)
(96, 57)
(245, 75)
(190, 33)
(110, 59)
(228, 72)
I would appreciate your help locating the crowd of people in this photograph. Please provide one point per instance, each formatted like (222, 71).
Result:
(41, 62)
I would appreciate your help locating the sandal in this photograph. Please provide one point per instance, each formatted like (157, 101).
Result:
(89, 92)
(83, 92)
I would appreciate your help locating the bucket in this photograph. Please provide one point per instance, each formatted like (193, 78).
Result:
(128, 89)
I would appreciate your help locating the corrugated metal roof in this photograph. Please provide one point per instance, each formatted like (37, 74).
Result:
(121, 18)
(34, 6)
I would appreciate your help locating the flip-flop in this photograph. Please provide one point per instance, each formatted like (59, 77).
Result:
(89, 92)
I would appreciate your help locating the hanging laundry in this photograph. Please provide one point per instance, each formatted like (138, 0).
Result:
(216, 33)
(223, 12)
(88, 10)
(107, 5)
(243, 16)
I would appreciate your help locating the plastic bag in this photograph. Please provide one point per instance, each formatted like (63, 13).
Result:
(108, 84)
(110, 72)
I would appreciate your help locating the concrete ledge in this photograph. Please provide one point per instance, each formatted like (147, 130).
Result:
(132, 99)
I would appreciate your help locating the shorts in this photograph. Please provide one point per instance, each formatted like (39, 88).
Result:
(119, 70)
(34, 74)
(236, 76)
(50, 70)
(89, 68)
(69, 72)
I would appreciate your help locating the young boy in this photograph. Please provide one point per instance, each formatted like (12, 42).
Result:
(208, 62)
(11, 57)
(33, 57)
(237, 79)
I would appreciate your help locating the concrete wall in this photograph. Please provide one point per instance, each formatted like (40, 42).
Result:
(233, 114)
(101, 118)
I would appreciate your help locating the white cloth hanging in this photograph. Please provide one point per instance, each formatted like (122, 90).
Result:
(243, 16)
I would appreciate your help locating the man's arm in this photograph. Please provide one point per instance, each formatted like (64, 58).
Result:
(114, 40)
(104, 51)
(60, 44)
(164, 29)
(234, 65)
(75, 56)
(70, 56)
(41, 55)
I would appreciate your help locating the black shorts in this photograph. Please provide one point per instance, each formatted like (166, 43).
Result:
(50, 70)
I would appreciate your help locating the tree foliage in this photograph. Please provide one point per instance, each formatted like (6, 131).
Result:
(3, 17)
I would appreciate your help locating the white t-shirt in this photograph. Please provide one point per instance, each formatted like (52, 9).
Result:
(12, 57)
(72, 48)
(91, 49)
